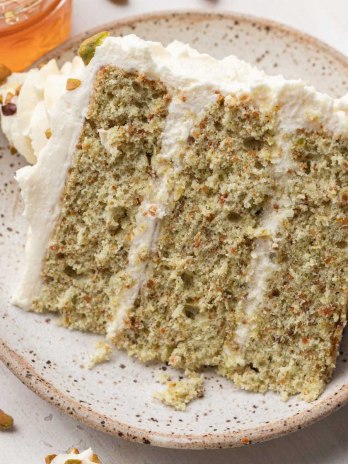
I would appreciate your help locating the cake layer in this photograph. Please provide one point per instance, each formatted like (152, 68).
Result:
(88, 250)
(196, 276)
(252, 242)
(181, 69)
(296, 328)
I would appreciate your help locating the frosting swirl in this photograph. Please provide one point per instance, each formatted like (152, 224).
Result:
(35, 94)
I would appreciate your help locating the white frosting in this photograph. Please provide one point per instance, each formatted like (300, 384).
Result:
(186, 73)
(40, 90)
(85, 457)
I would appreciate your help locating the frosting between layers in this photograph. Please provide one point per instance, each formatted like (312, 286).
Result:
(261, 264)
(182, 117)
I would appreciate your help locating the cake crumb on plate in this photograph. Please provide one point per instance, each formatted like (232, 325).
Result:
(101, 354)
(179, 393)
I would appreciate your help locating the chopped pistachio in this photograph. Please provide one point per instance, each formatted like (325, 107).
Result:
(4, 73)
(18, 89)
(48, 133)
(9, 97)
(88, 46)
(73, 451)
(6, 421)
(72, 84)
(95, 459)
(49, 458)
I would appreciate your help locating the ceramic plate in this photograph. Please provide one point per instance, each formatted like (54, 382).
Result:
(117, 397)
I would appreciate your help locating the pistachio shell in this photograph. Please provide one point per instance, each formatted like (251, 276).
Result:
(88, 46)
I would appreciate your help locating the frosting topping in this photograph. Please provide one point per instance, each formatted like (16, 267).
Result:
(85, 457)
(35, 94)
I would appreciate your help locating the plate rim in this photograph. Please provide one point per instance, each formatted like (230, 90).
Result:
(78, 411)
(128, 20)
(48, 392)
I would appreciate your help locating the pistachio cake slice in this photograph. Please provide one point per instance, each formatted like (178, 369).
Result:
(194, 210)
(248, 270)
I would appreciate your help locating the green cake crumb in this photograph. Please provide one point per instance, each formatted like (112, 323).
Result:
(102, 354)
(88, 252)
(179, 393)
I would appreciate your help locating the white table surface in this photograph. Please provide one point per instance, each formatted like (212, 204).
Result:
(41, 429)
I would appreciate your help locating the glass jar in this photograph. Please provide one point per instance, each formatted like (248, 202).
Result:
(30, 28)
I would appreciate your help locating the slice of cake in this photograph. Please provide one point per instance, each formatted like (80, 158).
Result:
(195, 212)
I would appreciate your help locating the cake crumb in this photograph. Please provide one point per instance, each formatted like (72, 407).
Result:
(179, 393)
(102, 354)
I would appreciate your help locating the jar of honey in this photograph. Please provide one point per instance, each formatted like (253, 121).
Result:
(30, 28)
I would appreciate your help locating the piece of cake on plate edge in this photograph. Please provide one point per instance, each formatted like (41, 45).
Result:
(193, 210)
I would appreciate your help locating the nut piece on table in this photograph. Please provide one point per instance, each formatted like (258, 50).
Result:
(49, 458)
(88, 46)
(69, 458)
(6, 421)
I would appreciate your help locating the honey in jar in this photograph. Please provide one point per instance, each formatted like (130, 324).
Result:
(30, 28)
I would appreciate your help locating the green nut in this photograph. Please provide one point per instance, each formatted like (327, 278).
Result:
(6, 421)
(88, 46)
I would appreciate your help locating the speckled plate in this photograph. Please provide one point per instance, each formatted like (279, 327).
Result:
(117, 397)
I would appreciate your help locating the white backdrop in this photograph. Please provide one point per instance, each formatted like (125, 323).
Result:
(41, 429)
